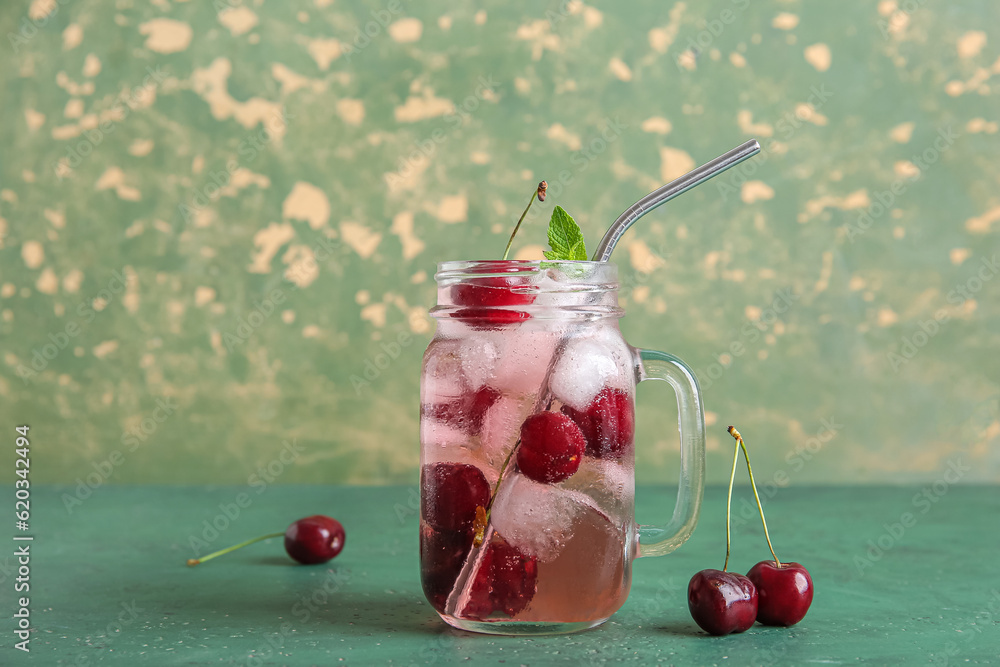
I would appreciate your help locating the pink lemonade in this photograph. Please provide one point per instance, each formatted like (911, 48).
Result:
(527, 424)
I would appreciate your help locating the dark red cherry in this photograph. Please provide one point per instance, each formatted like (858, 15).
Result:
(784, 594)
(504, 583)
(551, 447)
(722, 602)
(608, 423)
(442, 555)
(492, 292)
(487, 300)
(314, 539)
(450, 493)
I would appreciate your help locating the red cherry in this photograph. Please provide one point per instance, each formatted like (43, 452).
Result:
(608, 423)
(314, 539)
(487, 298)
(551, 447)
(442, 555)
(785, 593)
(450, 493)
(505, 582)
(722, 602)
(466, 413)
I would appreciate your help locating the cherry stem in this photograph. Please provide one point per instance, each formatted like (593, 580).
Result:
(540, 193)
(195, 561)
(729, 501)
(739, 441)
(481, 525)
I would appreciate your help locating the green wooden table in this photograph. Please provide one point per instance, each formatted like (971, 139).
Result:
(109, 584)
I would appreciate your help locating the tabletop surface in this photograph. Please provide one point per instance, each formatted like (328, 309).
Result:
(109, 583)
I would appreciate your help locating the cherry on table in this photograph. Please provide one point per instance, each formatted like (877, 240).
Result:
(314, 539)
(784, 592)
(722, 602)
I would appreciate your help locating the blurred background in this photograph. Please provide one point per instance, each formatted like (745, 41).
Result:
(219, 224)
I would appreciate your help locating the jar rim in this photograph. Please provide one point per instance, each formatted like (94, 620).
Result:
(584, 273)
(562, 288)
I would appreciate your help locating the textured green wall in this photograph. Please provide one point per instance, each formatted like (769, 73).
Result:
(169, 169)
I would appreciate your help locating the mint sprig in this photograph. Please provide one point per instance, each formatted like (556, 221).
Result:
(565, 237)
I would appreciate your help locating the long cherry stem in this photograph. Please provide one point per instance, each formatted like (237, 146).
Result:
(739, 441)
(729, 502)
(195, 561)
(540, 193)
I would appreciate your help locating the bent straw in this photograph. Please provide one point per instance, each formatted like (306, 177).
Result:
(665, 193)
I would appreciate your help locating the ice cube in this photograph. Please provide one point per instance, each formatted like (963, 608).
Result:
(536, 518)
(525, 356)
(479, 356)
(610, 485)
(501, 428)
(442, 373)
(584, 368)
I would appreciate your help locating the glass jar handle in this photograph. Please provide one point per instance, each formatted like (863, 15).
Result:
(660, 540)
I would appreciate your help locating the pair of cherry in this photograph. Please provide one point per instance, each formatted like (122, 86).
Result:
(772, 592)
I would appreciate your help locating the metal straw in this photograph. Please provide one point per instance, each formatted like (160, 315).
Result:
(667, 192)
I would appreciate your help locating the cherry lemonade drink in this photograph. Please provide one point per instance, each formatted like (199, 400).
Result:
(527, 420)
(527, 415)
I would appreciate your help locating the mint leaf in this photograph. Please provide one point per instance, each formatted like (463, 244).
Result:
(565, 237)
